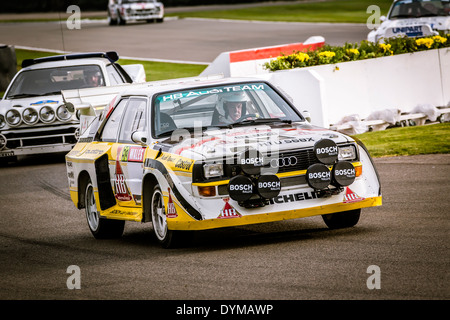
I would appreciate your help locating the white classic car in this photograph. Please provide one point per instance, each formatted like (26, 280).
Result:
(122, 11)
(413, 18)
(33, 117)
(214, 153)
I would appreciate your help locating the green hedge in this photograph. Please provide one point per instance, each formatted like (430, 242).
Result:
(357, 51)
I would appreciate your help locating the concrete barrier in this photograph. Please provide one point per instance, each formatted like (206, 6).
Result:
(334, 91)
(251, 61)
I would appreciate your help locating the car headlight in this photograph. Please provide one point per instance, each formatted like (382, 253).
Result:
(347, 152)
(213, 170)
(2, 121)
(30, 116)
(13, 117)
(62, 113)
(47, 114)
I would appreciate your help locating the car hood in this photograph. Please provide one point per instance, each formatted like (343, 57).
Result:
(35, 102)
(436, 23)
(225, 143)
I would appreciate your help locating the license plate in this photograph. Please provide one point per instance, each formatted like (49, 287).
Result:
(6, 154)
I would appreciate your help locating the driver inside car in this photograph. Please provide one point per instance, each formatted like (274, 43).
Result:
(234, 107)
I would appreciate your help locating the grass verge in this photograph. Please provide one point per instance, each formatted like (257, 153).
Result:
(407, 141)
(350, 11)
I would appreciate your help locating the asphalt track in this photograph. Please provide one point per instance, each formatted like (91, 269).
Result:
(42, 233)
(184, 40)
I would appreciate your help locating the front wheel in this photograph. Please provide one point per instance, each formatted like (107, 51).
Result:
(100, 228)
(344, 219)
(166, 238)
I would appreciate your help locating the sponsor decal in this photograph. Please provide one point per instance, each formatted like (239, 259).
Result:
(286, 198)
(184, 164)
(197, 93)
(350, 196)
(171, 210)
(412, 31)
(228, 211)
(44, 102)
(120, 186)
(132, 154)
(286, 141)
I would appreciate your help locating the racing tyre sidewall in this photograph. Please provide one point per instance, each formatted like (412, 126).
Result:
(99, 227)
(345, 219)
(159, 220)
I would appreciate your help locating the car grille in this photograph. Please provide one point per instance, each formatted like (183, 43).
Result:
(294, 160)
(41, 136)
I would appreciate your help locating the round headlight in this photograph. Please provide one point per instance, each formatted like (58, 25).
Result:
(47, 114)
(62, 113)
(13, 117)
(2, 121)
(30, 116)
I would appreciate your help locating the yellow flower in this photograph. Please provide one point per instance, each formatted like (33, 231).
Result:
(439, 39)
(427, 42)
(385, 47)
(302, 57)
(328, 54)
(353, 51)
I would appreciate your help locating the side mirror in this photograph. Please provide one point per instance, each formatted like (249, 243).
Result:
(139, 137)
(383, 18)
(306, 115)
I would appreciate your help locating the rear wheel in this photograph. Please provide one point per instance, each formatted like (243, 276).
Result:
(100, 228)
(344, 219)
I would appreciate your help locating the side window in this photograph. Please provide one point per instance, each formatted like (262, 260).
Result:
(134, 119)
(114, 76)
(111, 128)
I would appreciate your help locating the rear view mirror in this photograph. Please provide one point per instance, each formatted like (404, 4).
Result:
(139, 137)
(306, 115)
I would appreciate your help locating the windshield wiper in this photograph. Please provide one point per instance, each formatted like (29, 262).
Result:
(21, 95)
(260, 121)
(402, 16)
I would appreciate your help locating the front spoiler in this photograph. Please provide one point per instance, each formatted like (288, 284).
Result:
(23, 151)
(271, 217)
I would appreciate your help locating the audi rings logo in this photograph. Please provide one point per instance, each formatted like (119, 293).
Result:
(283, 162)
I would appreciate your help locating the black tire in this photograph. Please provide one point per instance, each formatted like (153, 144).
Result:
(100, 228)
(165, 237)
(120, 20)
(111, 21)
(343, 219)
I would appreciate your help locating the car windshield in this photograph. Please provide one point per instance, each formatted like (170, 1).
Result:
(220, 107)
(41, 82)
(416, 9)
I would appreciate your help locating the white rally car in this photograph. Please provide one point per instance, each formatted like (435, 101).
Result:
(33, 117)
(122, 11)
(215, 153)
(413, 18)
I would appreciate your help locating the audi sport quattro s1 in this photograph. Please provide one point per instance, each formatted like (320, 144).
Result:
(214, 153)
